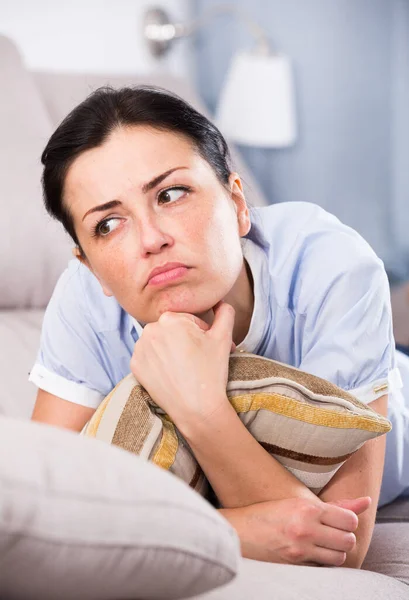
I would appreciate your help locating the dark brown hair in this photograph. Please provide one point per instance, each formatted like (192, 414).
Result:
(91, 122)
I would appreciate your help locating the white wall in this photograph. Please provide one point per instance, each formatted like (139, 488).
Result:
(90, 35)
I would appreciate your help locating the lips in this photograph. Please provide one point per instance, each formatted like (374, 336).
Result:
(164, 269)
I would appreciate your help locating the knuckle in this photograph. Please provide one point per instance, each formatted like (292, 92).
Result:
(299, 530)
(166, 316)
(309, 510)
(295, 554)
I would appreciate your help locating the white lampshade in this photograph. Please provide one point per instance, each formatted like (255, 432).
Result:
(256, 106)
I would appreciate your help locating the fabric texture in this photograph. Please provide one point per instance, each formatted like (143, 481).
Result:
(396, 512)
(388, 552)
(76, 522)
(266, 581)
(308, 424)
(395, 480)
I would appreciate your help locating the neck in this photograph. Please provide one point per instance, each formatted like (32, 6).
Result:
(241, 297)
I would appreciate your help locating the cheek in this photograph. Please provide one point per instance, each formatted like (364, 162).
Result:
(114, 269)
(220, 237)
(215, 240)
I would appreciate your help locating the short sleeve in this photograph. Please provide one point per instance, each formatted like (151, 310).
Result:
(344, 316)
(70, 360)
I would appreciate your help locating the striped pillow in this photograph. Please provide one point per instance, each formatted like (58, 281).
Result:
(308, 424)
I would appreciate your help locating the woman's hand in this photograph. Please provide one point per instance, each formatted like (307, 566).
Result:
(183, 363)
(298, 530)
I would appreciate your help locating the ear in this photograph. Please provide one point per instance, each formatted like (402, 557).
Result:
(84, 260)
(242, 210)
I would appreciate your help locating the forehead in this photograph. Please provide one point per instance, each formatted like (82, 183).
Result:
(129, 157)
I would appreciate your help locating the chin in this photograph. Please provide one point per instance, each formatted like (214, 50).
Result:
(186, 302)
(183, 307)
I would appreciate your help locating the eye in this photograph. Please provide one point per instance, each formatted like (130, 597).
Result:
(171, 194)
(105, 227)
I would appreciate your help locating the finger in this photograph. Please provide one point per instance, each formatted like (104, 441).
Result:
(341, 518)
(323, 556)
(177, 317)
(357, 505)
(335, 539)
(202, 324)
(223, 320)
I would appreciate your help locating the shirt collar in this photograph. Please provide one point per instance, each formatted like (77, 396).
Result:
(135, 326)
(257, 261)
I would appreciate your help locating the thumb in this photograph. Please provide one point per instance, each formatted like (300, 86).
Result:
(357, 505)
(199, 322)
(205, 327)
(223, 322)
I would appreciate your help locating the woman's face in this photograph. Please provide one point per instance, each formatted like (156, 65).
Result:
(145, 199)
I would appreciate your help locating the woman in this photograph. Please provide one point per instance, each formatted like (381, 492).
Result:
(172, 273)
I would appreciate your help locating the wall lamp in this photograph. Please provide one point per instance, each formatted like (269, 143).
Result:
(256, 105)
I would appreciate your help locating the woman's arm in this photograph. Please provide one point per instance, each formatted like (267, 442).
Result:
(361, 475)
(277, 518)
(52, 410)
(169, 361)
(240, 471)
(185, 369)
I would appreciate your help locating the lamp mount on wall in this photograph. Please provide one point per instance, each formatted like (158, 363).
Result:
(160, 33)
(256, 104)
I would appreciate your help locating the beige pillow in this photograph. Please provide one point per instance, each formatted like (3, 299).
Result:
(308, 424)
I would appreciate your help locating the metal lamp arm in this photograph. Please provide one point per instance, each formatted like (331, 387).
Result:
(160, 32)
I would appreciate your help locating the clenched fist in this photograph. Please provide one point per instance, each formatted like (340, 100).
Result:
(183, 363)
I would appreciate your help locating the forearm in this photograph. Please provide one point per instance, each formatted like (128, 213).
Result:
(361, 475)
(240, 471)
(355, 557)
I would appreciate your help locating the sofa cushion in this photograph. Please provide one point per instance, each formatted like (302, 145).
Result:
(33, 248)
(395, 512)
(81, 519)
(266, 581)
(308, 424)
(388, 552)
(20, 339)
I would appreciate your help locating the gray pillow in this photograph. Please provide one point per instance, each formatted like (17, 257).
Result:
(82, 519)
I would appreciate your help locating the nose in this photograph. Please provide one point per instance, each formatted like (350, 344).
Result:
(153, 237)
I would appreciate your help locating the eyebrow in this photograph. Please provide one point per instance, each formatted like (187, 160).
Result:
(145, 189)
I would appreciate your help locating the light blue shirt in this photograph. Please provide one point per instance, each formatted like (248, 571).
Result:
(321, 303)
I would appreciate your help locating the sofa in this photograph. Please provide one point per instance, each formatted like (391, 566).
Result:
(81, 519)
